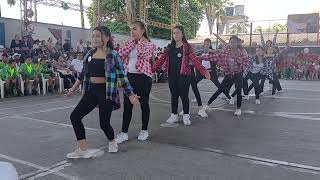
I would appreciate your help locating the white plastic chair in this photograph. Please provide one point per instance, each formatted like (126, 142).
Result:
(22, 85)
(45, 84)
(2, 83)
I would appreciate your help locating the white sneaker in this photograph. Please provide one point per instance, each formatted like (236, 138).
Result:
(231, 101)
(113, 147)
(246, 97)
(181, 113)
(202, 112)
(258, 101)
(194, 100)
(186, 120)
(237, 112)
(122, 137)
(173, 119)
(143, 135)
(78, 153)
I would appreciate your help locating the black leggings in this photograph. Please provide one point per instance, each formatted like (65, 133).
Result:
(141, 85)
(96, 96)
(255, 78)
(196, 77)
(66, 80)
(276, 84)
(225, 84)
(179, 87)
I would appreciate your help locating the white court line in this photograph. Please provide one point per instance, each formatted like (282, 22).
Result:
(295, 165)
(54, 123)
(30, 164)
(39, 104)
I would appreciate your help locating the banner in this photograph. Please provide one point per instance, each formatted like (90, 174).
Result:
(303, 23)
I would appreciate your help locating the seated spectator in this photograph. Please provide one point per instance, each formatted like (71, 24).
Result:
(77, 64)
(17, 58)
(62, 68)
(25, 47)
(36, 49)
(42, 68)
(15, 44)
(67, 45)
(29, 76)
(80, 46)
(11, 76)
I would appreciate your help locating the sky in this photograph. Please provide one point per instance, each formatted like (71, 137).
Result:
(256, 10)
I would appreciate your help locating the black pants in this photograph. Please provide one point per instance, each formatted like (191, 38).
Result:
(197, 77)
(225, 84)
(95, 96)
(141, 85)
(276, 84)
(255, 78)
(179, 87)
(66, 80)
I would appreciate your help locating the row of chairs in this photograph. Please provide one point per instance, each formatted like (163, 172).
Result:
(45, 85)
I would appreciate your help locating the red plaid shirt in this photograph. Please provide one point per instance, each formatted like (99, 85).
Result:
(222, 59)
(185, 67)
(145, 52)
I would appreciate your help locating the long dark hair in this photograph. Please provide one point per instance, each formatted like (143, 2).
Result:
(106, 32)
(263, 50)
(234, 37)
(143, 27)
(208, 40)
(184, 39)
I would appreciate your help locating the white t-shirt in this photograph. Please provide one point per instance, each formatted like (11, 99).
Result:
(133, 58)
(206, 64)
(256, 67)
(80, 47)
(77, 65)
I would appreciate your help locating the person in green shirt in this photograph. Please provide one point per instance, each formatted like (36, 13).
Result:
(42, 68)
(29, 76)
(10, 75)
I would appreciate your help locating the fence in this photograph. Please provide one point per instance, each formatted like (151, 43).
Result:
(248, 31)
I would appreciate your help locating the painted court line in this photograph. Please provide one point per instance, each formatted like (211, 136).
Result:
(39, 104)
(265, 161)
(30, 164)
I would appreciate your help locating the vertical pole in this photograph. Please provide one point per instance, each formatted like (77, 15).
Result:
(35, 12)
(81, 13)
(217, 40)
(251, 29)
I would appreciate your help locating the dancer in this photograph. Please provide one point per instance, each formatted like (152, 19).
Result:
(176, 61)
(272, 57)
(137, 54)
(196, 76)
(232, 60)
(257, 69)
(102, 71)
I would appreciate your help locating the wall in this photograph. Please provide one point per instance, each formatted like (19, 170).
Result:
(41, 32)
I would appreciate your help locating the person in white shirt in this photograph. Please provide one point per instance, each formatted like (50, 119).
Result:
(77, 64)
(80, 46)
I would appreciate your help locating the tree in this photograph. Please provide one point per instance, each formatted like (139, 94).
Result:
(239, 28)
(11, 2)
(214, 10)
(189, 16)
(275, 27)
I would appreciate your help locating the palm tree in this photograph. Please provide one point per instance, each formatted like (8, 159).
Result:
(11, 2)
(213, 10)
(239, 28)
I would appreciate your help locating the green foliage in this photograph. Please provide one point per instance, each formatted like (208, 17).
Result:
(275, 27)
(190, 16)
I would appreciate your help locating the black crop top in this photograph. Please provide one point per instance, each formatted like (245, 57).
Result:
(96, 68)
